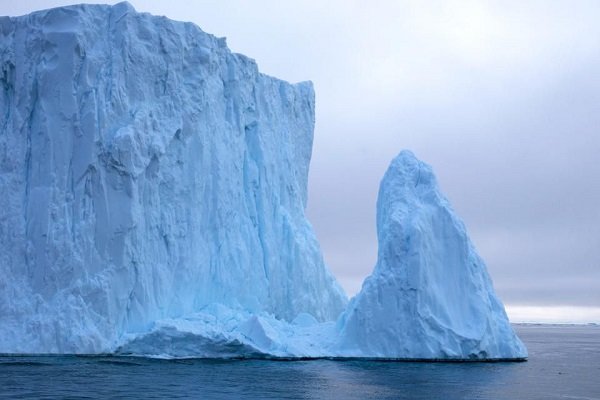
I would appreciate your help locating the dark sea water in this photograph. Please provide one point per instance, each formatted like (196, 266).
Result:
(564, 363)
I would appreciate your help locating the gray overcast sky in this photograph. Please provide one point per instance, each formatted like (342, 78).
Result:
(501, 98)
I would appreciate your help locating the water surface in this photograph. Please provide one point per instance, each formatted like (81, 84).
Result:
(564, 363)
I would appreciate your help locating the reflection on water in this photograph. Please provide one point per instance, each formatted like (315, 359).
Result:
(564, 363)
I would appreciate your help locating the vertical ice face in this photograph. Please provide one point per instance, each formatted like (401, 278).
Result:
(430, 295)
(145, 172)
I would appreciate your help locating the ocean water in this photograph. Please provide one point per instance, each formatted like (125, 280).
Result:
(564, 363)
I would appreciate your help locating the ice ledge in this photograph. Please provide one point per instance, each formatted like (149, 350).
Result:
(224, 333)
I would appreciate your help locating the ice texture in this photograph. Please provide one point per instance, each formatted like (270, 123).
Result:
(430, 295)
(146, 172)
(152, 195)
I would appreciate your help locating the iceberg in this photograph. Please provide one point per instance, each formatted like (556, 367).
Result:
(154, 187)
(430, 295)
(146, 172)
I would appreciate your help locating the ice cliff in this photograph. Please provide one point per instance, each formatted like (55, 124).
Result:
(153, 187)
(145, 173)
(430, 295)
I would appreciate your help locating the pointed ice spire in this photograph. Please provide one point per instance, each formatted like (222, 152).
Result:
(430, 295)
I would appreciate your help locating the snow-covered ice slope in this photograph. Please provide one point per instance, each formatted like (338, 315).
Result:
(430, 295)
(146, 172)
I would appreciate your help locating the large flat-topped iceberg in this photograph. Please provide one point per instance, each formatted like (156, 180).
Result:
(146, 172)
(153, 194)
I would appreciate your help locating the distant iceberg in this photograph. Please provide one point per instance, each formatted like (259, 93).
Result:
(154, 187)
